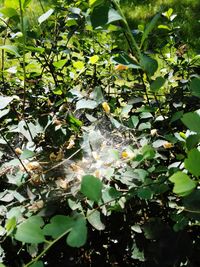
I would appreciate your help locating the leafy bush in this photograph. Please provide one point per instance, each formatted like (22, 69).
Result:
(97, 143)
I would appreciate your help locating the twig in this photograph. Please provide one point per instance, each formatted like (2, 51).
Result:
(11, 148)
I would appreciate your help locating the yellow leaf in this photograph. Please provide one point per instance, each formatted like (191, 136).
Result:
(124, 155)
(79, 65)
(18, 151)
(106, 107)
(121, 67)
(94, 59)
(56, 157)
(168, 145)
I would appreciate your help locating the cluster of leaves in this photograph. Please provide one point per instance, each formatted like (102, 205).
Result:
(65, 77)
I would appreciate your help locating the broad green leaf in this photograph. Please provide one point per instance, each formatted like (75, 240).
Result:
(93, 3)
(124, 59)
(27, 154)
(94, 59)
(144, 126)
(11, 49)
(11, 3)
(192, 121)
(149, 28)
(78, 65)
(148, 152)
(86, 104)
(91, 187)
(5, 101)
(183, 184)
(9, 12)
(192, 141)
(78, 234)
(134, 120)
(58, 225)
(148, 64)
(144, 193)
(103, 15)
(60, 64)
(176, 116)
(30, 231)
(93, 217)
(157, 84)
(192, 163)
(192, 202)
(58, 91)
(45, 16)
(35, 49)
(37, 264)
(195, 87)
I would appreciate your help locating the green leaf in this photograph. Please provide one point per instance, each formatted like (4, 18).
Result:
(45, 16)
(192, 202)
(148, 152)
(134, 120)
(176, 116)
(30, 231)
(93, 3)
(148, 64)
(157, 84)
(94, 59)
(35, 49)
(27, 154)
(91, 187)
(183, 184)
(78, 65)
(144, 193)
(37, 264)
(10, 225)
(93, 217)
(9, 12)
(58, 225)
(192, 141)
(60, 64)
(11, 3)
(5, 101)
(192, 163)
(103, 15)
(26, 3)
(195, 87)
(192, 121)
(78, 235)
(97, 95)
(86, 104)
(149, 28)
(125, 60)
(11, 49)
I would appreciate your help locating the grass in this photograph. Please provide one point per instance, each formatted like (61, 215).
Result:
(188, 16)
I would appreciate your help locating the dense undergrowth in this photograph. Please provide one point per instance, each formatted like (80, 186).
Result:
(100, 132)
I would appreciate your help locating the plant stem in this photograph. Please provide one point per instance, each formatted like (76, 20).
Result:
(128, 30)
(50, 244)
(24, 56)
(11, 148)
